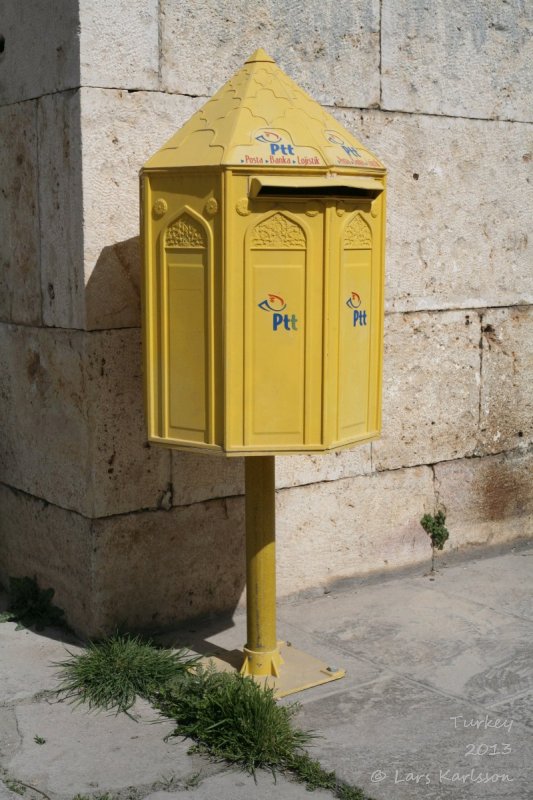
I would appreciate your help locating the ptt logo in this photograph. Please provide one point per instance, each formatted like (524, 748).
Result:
(354, 303)
(334, 138)
(269, 137)
(274, 140)
(275, 304)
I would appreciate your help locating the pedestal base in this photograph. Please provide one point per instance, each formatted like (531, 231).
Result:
(298, 671)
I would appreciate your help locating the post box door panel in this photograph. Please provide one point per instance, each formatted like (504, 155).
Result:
(282, 328)
(184, 336)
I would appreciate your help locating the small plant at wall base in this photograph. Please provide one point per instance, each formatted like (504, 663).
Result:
(437, 532)
(32, 607)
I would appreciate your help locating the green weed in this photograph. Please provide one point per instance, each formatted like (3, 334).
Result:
(232, 718)
(39, 740)
(437, 532)
(235, 719)
(111, 674)
(229, 717)
(15, 786)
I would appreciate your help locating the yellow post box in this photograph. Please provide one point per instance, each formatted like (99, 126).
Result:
(263, 225)
(263, 246)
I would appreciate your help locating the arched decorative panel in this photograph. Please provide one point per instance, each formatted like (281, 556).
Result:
(185, 323)
(355, 322)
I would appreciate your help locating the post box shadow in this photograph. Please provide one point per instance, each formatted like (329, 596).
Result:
(200, 638)
(200, 519)
(112, 293)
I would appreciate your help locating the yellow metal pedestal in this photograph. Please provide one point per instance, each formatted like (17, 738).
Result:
(265, 659)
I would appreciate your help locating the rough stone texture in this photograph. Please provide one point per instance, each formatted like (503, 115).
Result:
(119, 44)
(430, 389)
(61, 210)
(457, 233)
(298, 470)
(77, 397)
(121, 130)
(41, 49)
(20, 284)
(351, 527)
(154, 569)
(202, 477)
(314, 43)
(44, 414)
(126, 472)
(487, 500)
(462, 59)
(52, 544)
(146, 570)
(507, 379)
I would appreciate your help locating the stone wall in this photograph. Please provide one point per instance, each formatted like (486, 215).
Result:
(127, 532)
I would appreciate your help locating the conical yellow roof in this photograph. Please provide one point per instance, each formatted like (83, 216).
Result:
(261, 118)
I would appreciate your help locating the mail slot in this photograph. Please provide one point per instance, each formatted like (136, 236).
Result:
(263, 238)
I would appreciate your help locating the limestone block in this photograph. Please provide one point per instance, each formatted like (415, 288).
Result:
(61, 210)
(74, 421)
(54, 545)
(350, 527)
(299, 470)
(153, 569)
(507, 377)
(487, 500)
(20, 283)
(126, 473)
(43, 414)
(330, 49)
(119, 43)
(460, 59)
(41, 48)
(431, 378)
(120, 131)
(459, 208)
(202, 477)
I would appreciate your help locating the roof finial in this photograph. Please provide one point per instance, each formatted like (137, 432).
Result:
(259, 55)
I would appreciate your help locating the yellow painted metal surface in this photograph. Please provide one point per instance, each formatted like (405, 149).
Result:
(261, 653)
(263, 238)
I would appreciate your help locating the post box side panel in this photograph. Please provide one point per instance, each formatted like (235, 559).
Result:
(354, 343)
(378, 310)
(183, 357)
(355, 328)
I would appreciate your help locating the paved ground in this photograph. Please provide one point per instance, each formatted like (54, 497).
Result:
(436, 703)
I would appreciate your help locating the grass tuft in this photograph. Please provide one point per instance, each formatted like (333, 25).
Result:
(235, 719)
(232, 717)
(111, 674)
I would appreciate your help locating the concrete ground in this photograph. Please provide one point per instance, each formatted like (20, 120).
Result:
(436, 702)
